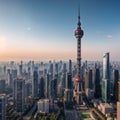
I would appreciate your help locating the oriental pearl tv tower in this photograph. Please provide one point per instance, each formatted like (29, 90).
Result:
(78, 80)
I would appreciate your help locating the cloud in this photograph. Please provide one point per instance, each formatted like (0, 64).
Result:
(109, 36)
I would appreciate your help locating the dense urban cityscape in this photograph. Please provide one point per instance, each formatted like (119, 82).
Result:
(44, 90)
(61, 89)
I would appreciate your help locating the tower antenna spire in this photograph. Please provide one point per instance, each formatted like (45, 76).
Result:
(79, 10)
(79, 23)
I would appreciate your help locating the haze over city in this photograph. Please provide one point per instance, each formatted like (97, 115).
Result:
(43, 29)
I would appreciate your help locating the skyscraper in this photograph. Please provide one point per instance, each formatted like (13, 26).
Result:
(56, 68)
(68, 92)
(88, 79)
(35, 83)
(97, 86)
(106, 79)
(2, 107)
(2, 86)
(21, 69)
(42, 88)
(70, 66)
(78, 80)
(48, 79)
(53, 89)
(68, 81)
(115, 85)
(19, 95)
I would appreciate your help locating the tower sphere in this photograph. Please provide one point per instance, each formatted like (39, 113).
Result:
(79, 33)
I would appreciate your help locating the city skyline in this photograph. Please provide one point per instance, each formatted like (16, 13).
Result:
(41, 30)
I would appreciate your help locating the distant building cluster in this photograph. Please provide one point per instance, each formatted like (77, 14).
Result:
(23, 83)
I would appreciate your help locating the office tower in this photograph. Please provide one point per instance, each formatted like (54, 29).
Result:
(60, 89)
(4, 69)
(88, 79)
(68, 93)
(48, 78)
(28, 89)
(2, 86)
(64, 69)
(29, 72)
(89, 84)
(106, 79)
(33, 65)
(2, 106)
(70, 67)
(78, 80)
(51, 68)
(97, 87)
(55, 85)
(63, 79)
(10, 79)
(118, 103)
(45, 72)
(115, 85)
(42, 88)
(35, 83)
(14, 73)
(19, 95)
(74, 72)
(53, 88)
(21, 69)
(56, 68)
(68, 81)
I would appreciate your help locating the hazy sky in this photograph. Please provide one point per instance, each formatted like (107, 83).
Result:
(44, 29)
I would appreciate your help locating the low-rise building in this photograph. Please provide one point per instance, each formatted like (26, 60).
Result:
(106, 108)
(118, 110)
(43, 105)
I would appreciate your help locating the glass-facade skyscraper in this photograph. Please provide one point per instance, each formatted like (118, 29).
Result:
(106, 79)
(35, 83)
(2, 106)
(97, 87)
(19, 95)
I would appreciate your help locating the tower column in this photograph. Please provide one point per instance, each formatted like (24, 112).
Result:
(78, 80)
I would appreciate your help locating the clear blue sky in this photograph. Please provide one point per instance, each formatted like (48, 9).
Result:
(44, 29)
